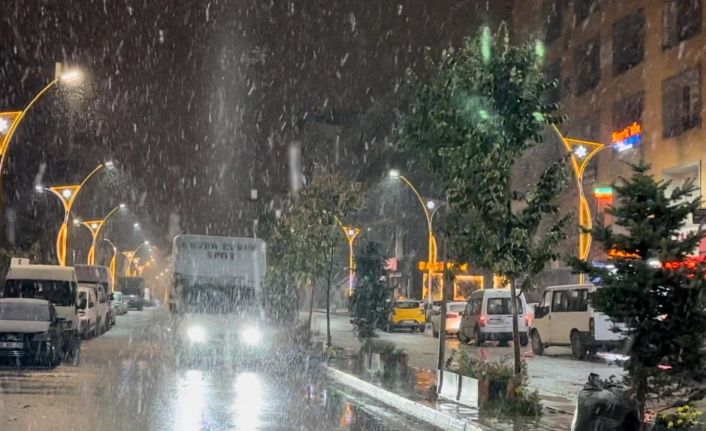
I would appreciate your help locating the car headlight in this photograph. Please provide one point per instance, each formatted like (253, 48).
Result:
(251, 336)
(196, 334)
(43, 336)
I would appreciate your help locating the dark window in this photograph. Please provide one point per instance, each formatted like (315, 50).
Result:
(559, 301)
(578, 300)
(584, 8)
(628, 111)
(588, 67)
(407, 305)
(628, 42)
(60, 293)
(502, 306)
(681, 102)
(552, 13)
(553, 73)
(681, 20)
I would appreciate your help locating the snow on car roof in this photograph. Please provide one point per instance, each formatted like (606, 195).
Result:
(41, 272)
(24, 301)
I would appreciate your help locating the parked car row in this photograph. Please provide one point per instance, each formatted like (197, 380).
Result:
(564, 317)
(45, 311)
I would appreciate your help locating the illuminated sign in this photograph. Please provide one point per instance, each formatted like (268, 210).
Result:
(614, 253)
(627, 138)
(605, 192)
(439, 266)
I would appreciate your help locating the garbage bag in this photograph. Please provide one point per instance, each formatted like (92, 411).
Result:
(603, 406)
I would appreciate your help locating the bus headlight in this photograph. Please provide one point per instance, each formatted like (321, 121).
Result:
(196, 334)
(251, 336)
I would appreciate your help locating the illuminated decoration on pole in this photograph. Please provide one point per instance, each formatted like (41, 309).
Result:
(351, 233)
(95, 226)
(113, 261)
(581, 152)
(627, 138)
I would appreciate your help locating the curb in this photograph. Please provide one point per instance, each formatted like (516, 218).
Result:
(406, 406)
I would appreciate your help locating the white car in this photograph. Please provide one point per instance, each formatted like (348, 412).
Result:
(102, 306)
(488, 316)
(453, 318)
(565, 318)
(118, 304)
(87, 312)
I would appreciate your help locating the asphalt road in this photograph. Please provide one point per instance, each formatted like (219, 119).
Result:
(128, 379)
(556, 376)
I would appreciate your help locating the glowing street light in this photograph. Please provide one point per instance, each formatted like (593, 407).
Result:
(430, 208)
(67, 195)
(95, 227)
(131, 256)
(10, 121)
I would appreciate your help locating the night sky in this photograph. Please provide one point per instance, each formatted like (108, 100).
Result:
(196, 101)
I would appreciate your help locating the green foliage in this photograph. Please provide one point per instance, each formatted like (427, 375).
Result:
(369, 304)
(662, 309)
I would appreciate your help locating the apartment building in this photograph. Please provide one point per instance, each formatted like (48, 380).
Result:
(630, 76)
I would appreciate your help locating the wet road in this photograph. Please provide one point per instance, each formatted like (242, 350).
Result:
(127, 379)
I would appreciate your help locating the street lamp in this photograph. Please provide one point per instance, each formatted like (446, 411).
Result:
(113, 260)
(430, 208)
(67, 195)
(95, 226)
(10, 121)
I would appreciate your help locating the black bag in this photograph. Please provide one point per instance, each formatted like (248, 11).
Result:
(603, 406)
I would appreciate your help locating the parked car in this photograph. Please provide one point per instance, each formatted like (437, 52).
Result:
(54, 283)
(118, 304)
(453, 318)
(565, 318)
(87, 312)
(103, 309)
(31, 332)
(100, 275)
(430, 308)
(488, 316)
(407, 314)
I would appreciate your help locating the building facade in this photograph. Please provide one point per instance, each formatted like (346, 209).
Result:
(630, 77)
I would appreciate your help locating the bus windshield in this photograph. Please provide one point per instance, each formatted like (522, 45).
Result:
(59, 293)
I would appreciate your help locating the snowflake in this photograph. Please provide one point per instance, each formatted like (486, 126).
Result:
(580, 151)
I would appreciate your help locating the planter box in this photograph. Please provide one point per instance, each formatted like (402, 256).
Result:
(457, 388)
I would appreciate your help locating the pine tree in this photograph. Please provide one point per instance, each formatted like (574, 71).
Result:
(661, 306)
(369, 303)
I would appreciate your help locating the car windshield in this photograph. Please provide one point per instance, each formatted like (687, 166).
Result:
(59, 293)
(405, 305)
(502, 306)
(18, 311)
(82, 300)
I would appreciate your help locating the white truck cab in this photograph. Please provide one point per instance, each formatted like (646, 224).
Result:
(102, 306)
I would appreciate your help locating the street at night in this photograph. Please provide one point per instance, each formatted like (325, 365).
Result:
(350, 215)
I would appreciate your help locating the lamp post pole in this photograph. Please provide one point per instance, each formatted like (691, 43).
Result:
(67, 195)
(351, 234)
(581, 152)
(113, 260)
(430, 208)
(95, 227)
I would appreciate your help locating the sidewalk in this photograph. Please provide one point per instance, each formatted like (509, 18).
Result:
(413, 396)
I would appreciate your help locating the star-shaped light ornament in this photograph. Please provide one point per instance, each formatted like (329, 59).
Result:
(580, 151)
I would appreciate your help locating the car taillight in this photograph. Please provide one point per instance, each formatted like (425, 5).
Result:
(450, 316)
(527, 321)
(592, 326)
(482, 320)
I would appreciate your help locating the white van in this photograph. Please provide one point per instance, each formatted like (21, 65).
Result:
(102, 306)
(101, 277)
(56, 284)
(87, 311)
(565, 317)
(488, 316)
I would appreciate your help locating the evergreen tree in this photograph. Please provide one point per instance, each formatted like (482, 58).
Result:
(482, 109)
(661, 306)
(369, 304)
